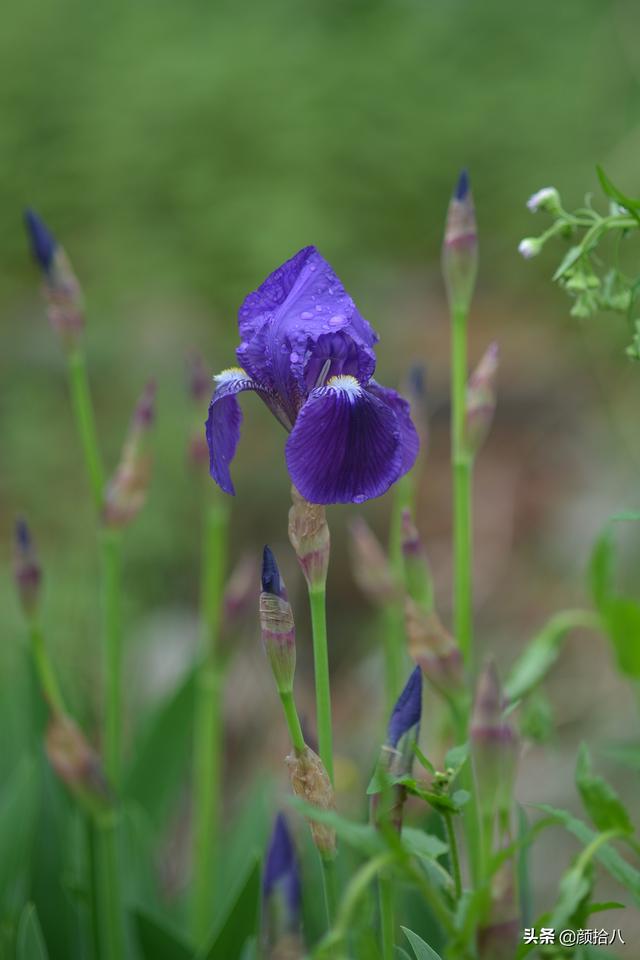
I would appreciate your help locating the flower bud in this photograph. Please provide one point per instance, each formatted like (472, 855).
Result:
(530, 247)
(369, 564)
(276, 623)
(309, 536)
(126, 492)
(416, 563)
(481, 400)
(310, 781)
(281, 896)
(547, 199)
(494, 746)
(434, 649)
(65, 303)
(460, 248)
(27, 571)
(77, 764)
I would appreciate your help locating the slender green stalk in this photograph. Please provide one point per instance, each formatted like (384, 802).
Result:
(395, 653)
(317, 600)
(111, 550)
(293, 721)
(85, 421)
(454, 860)
(208, 722)
(93, 887)
(329, 889)
(387, 915)
(111, 927)
(46, 674)
(462, 470)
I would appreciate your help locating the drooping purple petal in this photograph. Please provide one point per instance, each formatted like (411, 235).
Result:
(409, 440)
(281, 868)
(281, 322)
(223, 423)
(408, 708)
(345, 445)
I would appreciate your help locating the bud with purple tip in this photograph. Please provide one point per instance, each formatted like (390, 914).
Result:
(65, 303)
(126, 492)
(481, 400)
(396, 756)
(547, 199)
(27, 571)
(309, 536)
(494, 747)
(460, 247)
(530, 247)
(276, 623)
(281, 897)
(370, 565)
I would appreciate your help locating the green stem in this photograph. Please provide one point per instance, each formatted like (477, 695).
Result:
(317, 600)
(329, 889)
(462, 469)
(85, 421)
(387, 912)
(208, 722)
(111, 927)
(93, 887)
(111, 547)
(293, 721)
(46, 674)
(395, 653)
(356, 889)
(391, 620)
(454, 860)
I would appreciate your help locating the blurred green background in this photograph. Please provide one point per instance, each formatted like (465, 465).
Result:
(180, 152)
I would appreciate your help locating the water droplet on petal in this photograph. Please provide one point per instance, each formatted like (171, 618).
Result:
(359, 498)
(318, 308)
(335, 320)
(306, 315)
(294, 357)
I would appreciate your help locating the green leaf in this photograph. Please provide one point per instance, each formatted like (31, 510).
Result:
(606, 905)
(30, 943)
(622, 621)
(18, 807)
(361, 836)
(421, 949)
(240, 923)
(571, 256)
(625, 753)
(600, 800)
(439, 801)
(456, 757)
(401, 954)
(162, 753)
(421, 844)
(543, 651)
(424, 762)
(609, 188)
(601, 567)
(523, 869)
(606, 855)
(574, 892)
(157, 941)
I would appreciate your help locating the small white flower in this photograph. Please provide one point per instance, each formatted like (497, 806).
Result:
(529, 247)
(547, 199)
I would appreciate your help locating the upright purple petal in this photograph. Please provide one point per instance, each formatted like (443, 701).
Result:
(408, 708)
(409, 440)
(345, 445)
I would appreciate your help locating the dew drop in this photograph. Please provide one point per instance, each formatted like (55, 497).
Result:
(318, 308)
(335, 320)
(359, 498)
(306, 315)
(294, 357)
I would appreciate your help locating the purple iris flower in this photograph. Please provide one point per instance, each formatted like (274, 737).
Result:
(308, 353)
(408, 708)
(281, 873)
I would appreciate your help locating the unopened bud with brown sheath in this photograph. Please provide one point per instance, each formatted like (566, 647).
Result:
(27, 572)
(62, 292)
(277, 625)
(310, 781)
(460, 247)
(494, 748)
(309, 536)
(127, 490)
(481, 401)
(370, 565)
(77, 764)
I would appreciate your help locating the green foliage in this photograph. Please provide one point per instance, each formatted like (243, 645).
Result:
(30, 943)
(620, 614)
(421, 949)
(600, 800)
(157, 941)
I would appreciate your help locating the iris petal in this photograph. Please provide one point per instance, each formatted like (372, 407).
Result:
(345, 445)
(409, 440)
(223, 423)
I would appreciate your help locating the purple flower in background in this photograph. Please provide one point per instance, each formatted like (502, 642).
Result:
(406, 713)
(308, 353)
(281, 874)
(43, 244)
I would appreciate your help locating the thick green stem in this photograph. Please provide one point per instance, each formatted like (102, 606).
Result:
(329, 889)
(111, 547)
(112, 926)
(46, 674)
(387, 915)
(208, 722)
(293, 721)
(462, 470)
(85, 422)
(317, 600)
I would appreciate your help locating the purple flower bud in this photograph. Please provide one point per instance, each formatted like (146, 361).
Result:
(65, 303)
(43, 244)
(481, 400)
(494, 746)
(530, 247)
(417, 570)
(460, 248)
(277, 626)
(27, 571)
(406, 713)
(369, 564)
(547, 199)
(77, 764)
(309, 536)
(281, 875)
(127, 490)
